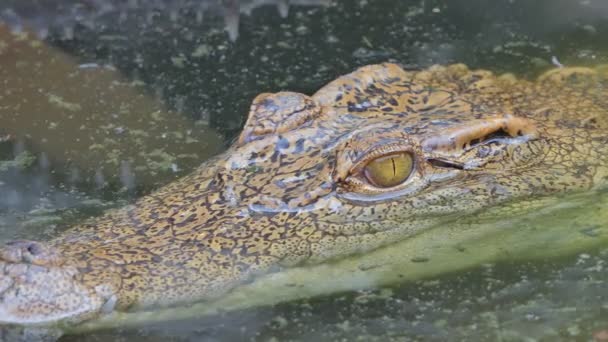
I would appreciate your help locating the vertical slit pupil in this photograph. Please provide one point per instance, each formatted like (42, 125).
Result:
(378, 171)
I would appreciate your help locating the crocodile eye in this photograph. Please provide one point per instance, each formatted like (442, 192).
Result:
(388, 171)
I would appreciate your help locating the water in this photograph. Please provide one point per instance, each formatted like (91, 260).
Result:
(199, 80)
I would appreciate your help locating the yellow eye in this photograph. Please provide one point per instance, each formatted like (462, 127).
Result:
(389, 171)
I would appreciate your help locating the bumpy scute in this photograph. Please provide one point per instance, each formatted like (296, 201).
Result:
(278, 113)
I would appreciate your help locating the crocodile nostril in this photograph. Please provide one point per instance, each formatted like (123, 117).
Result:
(30, 252)
(34, 248)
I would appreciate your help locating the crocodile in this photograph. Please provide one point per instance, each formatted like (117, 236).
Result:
(375, 157)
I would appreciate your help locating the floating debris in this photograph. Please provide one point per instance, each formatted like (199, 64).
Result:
(556, 62)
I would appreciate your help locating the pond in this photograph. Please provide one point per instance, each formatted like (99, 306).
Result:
(104, 101)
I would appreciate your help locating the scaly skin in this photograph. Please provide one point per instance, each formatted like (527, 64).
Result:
(291, 190)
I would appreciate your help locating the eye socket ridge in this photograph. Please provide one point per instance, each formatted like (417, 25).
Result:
(499, 129)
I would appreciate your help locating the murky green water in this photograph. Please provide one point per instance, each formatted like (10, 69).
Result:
(194, 86)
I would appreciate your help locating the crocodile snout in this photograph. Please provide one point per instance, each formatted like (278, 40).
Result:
(37, 287)
(29, 252)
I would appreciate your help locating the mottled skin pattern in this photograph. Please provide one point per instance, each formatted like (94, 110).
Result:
(291, 191)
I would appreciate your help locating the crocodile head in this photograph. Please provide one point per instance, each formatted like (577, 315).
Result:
(374, 157)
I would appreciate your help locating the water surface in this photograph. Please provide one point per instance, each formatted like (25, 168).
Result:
(186, 67)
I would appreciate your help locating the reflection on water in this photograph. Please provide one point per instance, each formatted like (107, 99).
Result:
(43, 17)
(563, 300)
(175, 60)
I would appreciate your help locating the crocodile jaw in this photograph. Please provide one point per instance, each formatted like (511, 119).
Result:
(40, 290)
